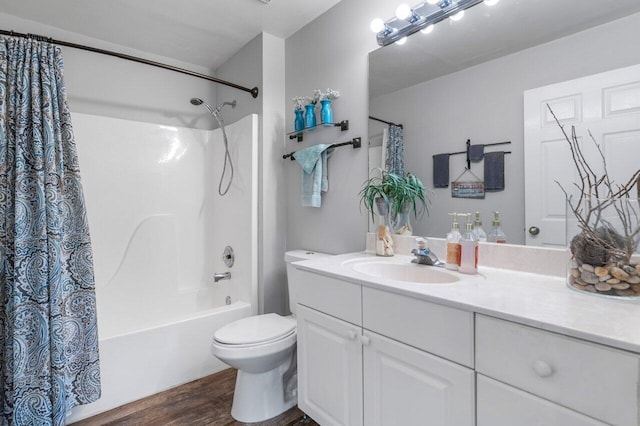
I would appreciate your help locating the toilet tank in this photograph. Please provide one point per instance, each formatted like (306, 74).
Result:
(295, 256)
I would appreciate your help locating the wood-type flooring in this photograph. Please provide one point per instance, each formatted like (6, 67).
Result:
(205, 401)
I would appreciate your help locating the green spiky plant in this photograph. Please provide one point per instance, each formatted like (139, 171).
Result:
(393, 192)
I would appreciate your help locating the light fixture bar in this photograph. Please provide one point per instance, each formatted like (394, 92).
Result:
(428, 14)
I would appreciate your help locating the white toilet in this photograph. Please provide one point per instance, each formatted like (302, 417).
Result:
(262, 348)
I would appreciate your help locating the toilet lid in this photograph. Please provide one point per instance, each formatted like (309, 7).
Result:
(256, 329)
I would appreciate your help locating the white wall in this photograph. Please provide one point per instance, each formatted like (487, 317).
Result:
(103, 85)
(332, 51)
(261, 63)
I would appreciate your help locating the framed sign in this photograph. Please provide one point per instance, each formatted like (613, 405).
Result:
(467, 189)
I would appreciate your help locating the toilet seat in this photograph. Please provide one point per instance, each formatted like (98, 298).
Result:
(256, 330)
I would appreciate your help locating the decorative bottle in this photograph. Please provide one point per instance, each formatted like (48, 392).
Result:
(478, 230)
(468, 249)
(453, 245)
(496, 235)
(298, 124)
(326, 113)
(310, 116)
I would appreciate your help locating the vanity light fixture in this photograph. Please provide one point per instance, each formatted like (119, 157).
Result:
(427, 30)
(421, 17)
(458, 16)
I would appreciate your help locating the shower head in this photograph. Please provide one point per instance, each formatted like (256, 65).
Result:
(198, 101)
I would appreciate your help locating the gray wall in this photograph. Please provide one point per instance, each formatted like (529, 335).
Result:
(332, 51)
(485, 103)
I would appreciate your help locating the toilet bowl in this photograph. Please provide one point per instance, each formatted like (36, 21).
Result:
(262, 348)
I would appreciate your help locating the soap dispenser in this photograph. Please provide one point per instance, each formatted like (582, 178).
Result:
(497, 235)
(453, 245)
(478, 230)
(468, 249)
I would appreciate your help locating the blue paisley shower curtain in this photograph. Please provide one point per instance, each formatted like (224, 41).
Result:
(48, 330)
(394, 162)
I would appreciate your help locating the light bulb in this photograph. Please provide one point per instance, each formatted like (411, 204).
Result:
(458, 16)
(377, 25)
(491, 2)
(402, 41)
(432, 1)
(427, 30)
(403, 11)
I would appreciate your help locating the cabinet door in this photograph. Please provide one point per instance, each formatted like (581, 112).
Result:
(503, 405)
(406, 386)
(329, 368)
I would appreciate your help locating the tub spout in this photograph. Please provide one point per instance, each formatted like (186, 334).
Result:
(223, 276)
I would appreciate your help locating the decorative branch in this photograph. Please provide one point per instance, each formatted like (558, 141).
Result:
(596, 194)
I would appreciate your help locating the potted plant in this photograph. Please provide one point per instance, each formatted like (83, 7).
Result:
(395, 196)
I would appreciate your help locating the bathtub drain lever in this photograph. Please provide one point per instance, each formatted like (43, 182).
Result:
(223, 276)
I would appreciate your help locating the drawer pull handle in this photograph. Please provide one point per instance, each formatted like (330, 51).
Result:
(352, 335)
(365, 340)
(542, 368)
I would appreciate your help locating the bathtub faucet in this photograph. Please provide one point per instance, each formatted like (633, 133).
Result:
(223, 276)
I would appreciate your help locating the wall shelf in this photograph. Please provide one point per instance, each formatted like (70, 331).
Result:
(344, 126)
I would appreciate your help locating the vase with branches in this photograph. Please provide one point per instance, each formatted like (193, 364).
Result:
(607, 215)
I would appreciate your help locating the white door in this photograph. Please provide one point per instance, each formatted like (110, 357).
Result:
(406, 386)
(329, 368)
(608, 106)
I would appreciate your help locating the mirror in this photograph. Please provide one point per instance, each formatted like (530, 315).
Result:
(466, 79)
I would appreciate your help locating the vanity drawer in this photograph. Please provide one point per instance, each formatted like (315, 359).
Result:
(502, 405)
(335, 297)
(592, 379)
(438, 329)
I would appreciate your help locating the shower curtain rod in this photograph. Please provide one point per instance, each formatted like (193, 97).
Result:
(254, 91)
(385, 121)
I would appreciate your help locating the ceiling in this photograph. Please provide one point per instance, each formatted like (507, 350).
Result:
(485, 33)
(201, 32)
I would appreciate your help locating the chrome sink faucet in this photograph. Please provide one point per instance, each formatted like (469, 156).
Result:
(424, 256)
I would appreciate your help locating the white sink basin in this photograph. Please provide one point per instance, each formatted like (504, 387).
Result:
(402, 271)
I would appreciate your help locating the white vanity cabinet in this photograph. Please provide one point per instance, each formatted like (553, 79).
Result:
(555, 374)
(329, 368)
(359, 369)
(480, 352)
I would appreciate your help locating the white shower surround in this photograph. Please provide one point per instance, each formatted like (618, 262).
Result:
(158, 229)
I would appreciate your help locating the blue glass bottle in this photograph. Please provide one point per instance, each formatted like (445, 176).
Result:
(326, 113)
(298, 124)
(310, 116)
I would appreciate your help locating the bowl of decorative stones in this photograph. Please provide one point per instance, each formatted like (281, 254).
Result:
(617, 280)
(604, 245)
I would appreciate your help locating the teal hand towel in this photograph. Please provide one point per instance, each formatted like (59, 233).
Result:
(313, 161)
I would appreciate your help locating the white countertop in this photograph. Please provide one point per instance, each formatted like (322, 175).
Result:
(541, 301)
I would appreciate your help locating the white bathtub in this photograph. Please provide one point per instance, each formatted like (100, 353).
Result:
(158, 230)
(149, 361)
